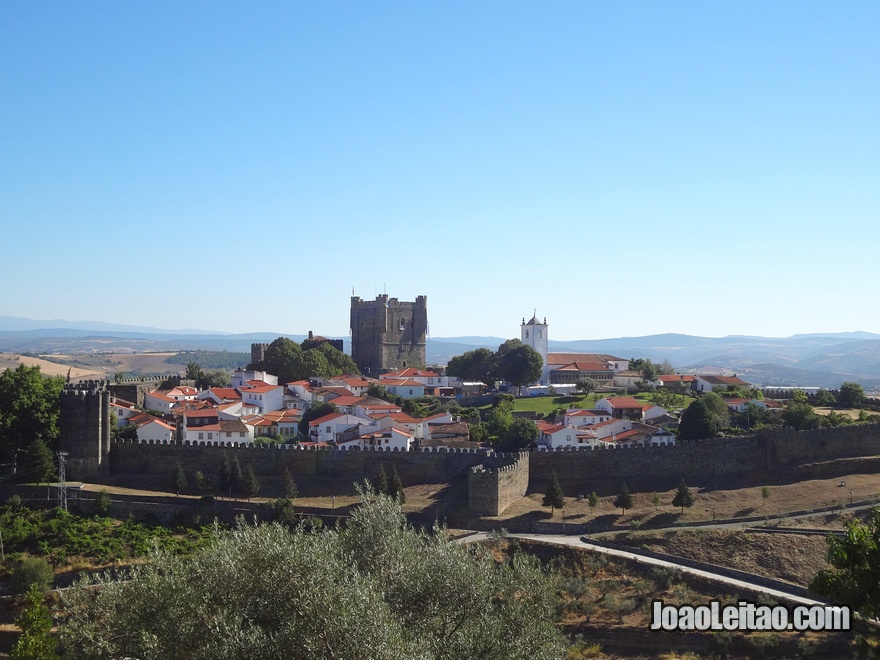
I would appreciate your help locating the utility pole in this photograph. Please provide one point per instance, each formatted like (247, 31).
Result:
(62, 483)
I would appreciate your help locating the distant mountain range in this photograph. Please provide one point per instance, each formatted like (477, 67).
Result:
(821, 360)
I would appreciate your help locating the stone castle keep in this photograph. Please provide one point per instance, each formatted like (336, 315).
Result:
(387, 334)
(494, 480)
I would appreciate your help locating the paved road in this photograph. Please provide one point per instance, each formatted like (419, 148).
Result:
(576, 541)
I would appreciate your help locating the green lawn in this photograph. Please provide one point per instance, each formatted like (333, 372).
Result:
(545, 404)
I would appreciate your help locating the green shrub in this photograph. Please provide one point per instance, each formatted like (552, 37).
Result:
(32, 571)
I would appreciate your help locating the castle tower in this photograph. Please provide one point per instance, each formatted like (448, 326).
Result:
(387, 334)
(258, 353)
(534, 334)
(84, 425)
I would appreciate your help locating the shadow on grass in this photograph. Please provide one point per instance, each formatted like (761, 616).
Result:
(748, 511)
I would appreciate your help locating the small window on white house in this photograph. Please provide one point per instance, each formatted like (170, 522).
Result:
(241, 434)
(228, 434)
(210, 436)
(201, 436)
(329, 429)
(527, 334)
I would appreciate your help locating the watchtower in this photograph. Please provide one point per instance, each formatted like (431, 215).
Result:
(388, 334)
(84, 425)
(258, 353)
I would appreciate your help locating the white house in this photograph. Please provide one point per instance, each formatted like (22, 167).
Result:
(357, 385)
(240, 377)
(612, 427)
(156, 400)
(429, 379)
(266, 397)
(389, 438)
(325, 429)
(155, 430)
(558, 435)
(405, 387)
(124, 412)
(219, 395)
(708, 383)
(579, 417)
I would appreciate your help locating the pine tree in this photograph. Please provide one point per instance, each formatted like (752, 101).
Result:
(554, 498)
(178, 479)
(380, 481)
(683, 497)
(251, 483)
(288, 487)
(396, 488)
(35, 622)
(624, 499)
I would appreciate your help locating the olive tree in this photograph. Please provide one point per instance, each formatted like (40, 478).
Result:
(376, 589)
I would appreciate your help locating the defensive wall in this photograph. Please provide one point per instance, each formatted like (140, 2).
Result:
(769, 452)
(497, 483)
(426, 465)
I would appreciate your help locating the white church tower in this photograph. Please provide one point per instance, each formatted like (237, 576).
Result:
(534, 334)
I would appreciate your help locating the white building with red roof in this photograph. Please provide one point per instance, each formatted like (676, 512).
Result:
(158, 401)
(622, 407)
(389, 439)
(326, 428)
(580, 417)
(429, 379)
(240, 377)
(266, 397)
(357, 385)
(220, 395)
(405, 387)
(708, 383)
(554, 436)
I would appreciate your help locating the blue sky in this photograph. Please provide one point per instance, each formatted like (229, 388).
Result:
(624, 168)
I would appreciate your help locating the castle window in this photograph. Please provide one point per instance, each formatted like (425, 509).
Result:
(527, 334)
(402, 325)
(540, 333)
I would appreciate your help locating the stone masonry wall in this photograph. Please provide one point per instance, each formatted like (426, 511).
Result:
(771, 450)
(429, 465)
(495, 485)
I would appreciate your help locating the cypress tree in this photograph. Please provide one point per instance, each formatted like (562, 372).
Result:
(251, 483)
(554, 498)
(396, 488)
(288, 486)
(380, 481)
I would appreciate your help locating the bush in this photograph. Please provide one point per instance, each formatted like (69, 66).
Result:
(102, 503)
(32, 571)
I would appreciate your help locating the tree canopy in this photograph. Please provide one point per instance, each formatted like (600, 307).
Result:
(854, 576)
(291, 361)
(513, 361)
(29, 407)
(697, 422)
(374, 589)
(851, 394)
(683, 497)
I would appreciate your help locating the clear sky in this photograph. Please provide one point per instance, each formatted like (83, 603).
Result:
(626, 168)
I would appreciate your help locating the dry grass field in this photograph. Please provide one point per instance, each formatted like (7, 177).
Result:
(724, 503)
(95, 365)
